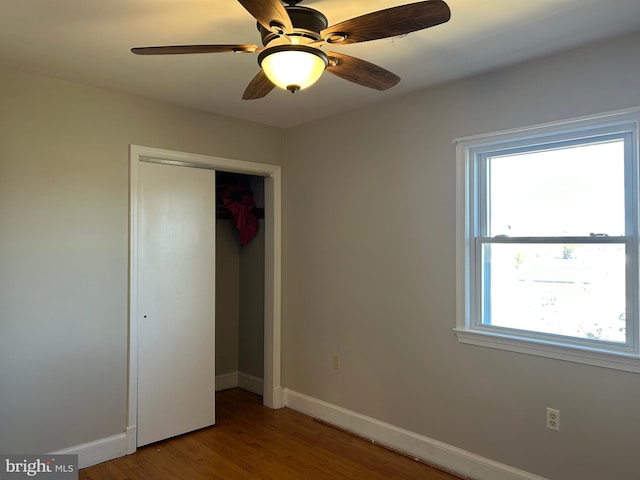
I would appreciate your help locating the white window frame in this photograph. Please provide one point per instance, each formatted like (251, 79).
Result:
(469, 328)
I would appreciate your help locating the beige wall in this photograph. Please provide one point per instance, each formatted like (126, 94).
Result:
(64, 186)
(370, 274)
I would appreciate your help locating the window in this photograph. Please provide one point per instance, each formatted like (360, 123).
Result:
(548, 240)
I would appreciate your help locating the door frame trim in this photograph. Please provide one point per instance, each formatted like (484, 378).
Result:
(273, 396)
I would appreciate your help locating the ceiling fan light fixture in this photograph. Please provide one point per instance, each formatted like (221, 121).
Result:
(293, 67)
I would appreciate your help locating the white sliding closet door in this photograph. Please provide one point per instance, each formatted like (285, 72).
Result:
(176, 298)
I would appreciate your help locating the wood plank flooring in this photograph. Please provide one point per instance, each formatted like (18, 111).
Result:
(250, 441)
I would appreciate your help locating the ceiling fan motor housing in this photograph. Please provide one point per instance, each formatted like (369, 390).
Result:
(307, 25)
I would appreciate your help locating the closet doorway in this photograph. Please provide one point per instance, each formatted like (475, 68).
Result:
(271, 389)
(240, 247)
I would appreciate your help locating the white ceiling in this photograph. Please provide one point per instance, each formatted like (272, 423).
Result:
(89, 41)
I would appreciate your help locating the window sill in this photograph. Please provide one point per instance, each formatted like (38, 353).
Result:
(569, 353)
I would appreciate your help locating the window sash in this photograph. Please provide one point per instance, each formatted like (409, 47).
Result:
(483, 185)
(568, 239)
(480, 321)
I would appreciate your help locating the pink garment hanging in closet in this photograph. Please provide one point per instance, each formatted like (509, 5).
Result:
(239, 200)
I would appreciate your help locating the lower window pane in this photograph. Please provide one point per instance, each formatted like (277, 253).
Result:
(575, 290)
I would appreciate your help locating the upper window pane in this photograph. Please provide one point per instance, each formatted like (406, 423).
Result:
(573, 190)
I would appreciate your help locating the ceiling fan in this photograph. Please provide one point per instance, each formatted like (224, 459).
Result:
(292, 37)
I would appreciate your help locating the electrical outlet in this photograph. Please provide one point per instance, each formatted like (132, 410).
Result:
(336, 361)
(553, 419)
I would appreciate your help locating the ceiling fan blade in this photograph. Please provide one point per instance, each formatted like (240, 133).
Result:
(361, 72)
(271, 14)
(180, 49)
(389, 22)
(259, 87)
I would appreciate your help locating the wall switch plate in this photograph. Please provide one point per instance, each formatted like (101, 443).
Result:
(336, 361)
(553, 419)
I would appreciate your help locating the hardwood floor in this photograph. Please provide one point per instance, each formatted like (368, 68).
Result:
(250, 441)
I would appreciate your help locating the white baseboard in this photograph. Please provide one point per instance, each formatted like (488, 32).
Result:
(98, 451)
(226, 381)
(250, 383)
(436, 453)
(238, 379)
(132, 440)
